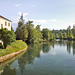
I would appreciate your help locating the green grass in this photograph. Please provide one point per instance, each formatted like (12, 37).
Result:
(13, 47)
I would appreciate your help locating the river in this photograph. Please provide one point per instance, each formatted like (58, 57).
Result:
(54, 58)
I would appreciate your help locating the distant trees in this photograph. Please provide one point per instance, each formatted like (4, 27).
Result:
(73, 31)
(66, 34)
(69, 32)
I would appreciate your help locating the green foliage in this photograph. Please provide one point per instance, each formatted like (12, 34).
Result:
(69, 32)
(7, 37)
(38, 27)
(65, 34)
(34, 34)
(13, 47)
(29, 27)
(73, 32)
(21, 31)
(47, 34)
(28, 33)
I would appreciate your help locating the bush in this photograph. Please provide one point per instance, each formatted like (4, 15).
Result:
(7, 37)
(13, 47)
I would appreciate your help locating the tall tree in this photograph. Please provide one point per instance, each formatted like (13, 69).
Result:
(53, 34)
(69, 31)
(21, 31)
(29, 27)
(74, 31)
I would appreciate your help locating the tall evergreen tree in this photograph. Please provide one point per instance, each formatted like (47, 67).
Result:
(21, 31)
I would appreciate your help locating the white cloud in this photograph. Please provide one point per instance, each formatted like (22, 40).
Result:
(18, 5)
(53, 53)
(40, 21)
(19, 13)
(44, 21)
(52, 20)
(24, 14)
(16, 18)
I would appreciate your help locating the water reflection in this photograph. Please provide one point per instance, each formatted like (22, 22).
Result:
(34, 52)
(70, 46)
(31, 54)
(46, 48)
(8, 71)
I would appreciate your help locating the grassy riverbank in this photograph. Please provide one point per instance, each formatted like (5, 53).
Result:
(13, 47)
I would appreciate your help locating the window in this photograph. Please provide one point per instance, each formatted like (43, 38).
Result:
(8, 24)
(5, 23)
(1, 25)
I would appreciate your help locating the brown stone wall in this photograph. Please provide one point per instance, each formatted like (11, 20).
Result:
(3, 58)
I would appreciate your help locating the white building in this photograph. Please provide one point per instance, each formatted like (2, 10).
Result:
(5, 23)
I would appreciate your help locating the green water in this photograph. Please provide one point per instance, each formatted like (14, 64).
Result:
(54, 58)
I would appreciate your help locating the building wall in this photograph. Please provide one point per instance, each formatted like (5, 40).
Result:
(2, 23)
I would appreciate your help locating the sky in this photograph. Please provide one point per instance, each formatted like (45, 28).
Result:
(51, 14)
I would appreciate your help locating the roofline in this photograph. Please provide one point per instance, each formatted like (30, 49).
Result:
(5, 18)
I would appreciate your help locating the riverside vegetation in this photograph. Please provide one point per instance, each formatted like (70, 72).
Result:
(13, 47)
(10, 44)
(30, 34)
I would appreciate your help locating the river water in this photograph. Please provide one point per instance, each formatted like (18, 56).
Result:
(54, 58)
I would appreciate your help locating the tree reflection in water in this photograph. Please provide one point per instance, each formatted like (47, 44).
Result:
(8, 71)
(31, 54)
(34, 52)
(70, 46)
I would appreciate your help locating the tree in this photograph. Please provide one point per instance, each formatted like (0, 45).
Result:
(39, 34)
(29, 27)
(57, 36)
(7, 37)
(60, 35)
(73, 31)
(46, 33)
(12, 29)
(21, 31)
(53, 34)
(38, 27)
(69, 32)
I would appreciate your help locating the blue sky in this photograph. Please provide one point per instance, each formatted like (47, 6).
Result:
(51, 14)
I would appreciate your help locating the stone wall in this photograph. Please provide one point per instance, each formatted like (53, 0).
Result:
(6, 57)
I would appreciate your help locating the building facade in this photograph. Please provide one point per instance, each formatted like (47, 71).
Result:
(5, 23)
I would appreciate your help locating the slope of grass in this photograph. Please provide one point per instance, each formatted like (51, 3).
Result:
(13, 47)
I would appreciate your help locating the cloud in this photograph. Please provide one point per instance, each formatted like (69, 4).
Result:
(40, 21)
(16, 18)
(24, 14)
(52, 20)
(18, 5)
(44, 21)
(53, 53)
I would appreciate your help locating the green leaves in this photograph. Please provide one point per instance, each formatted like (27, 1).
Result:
(47, 34)
(7, 37)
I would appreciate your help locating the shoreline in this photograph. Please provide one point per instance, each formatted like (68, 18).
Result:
(8, 56)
